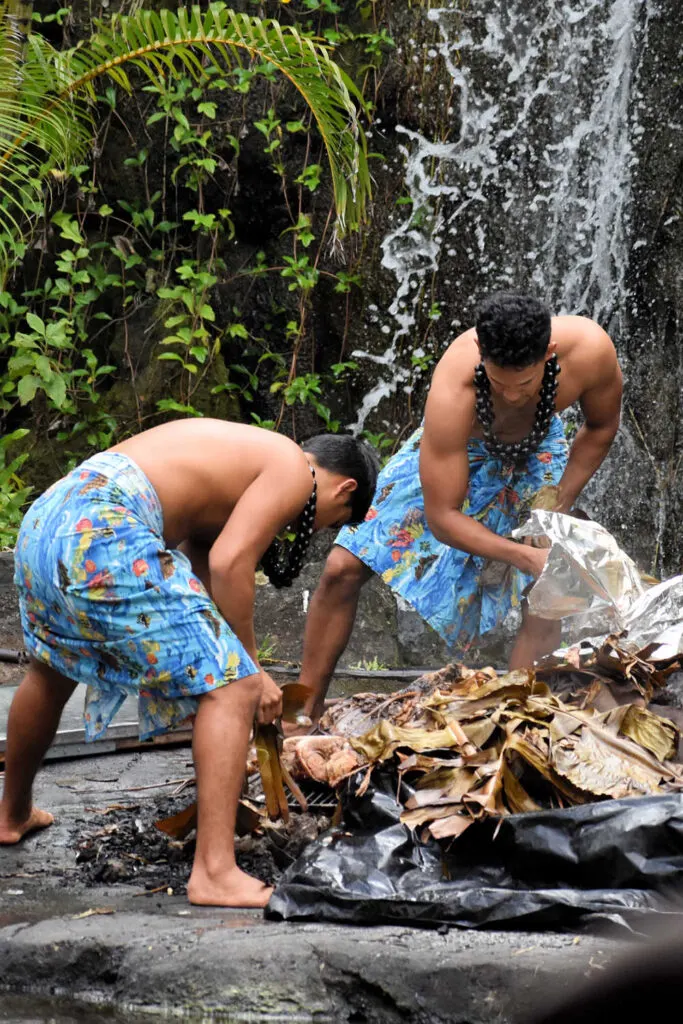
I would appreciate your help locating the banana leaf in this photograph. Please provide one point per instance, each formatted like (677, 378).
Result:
(384, 739)
(445, 785)
(597, 769)
(417, 816)
(266, 741)
(472, 744)
(658, 735)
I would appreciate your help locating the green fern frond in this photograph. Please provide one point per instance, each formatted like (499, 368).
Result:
(46, 117)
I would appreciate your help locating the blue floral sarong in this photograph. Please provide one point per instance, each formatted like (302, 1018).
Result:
(106, 603)
(442, 583)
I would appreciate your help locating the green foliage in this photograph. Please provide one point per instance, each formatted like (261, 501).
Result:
(13, 493)
(371, 665)
(47, 352)
(66, 316)
(267, 649)
(384, 444)
(46, 122)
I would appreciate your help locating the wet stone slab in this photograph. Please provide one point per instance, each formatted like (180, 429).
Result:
(64, 931)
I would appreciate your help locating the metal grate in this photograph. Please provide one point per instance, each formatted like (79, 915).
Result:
(320, 798)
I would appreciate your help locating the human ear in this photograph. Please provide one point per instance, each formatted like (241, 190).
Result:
(348, 487)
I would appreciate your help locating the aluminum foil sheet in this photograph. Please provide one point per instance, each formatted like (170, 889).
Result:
(593, 586)
(587, 574)
(657, 618)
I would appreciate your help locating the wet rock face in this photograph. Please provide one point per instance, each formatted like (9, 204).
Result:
(559, 173)
(10, 626)
(642, 491)
(528, 144)
(387, 633)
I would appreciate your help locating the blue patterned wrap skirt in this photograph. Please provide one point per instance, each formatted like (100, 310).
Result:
(441, 583)
(106, 603)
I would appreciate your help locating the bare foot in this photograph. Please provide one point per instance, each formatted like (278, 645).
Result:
(12, 831)
(234, 889)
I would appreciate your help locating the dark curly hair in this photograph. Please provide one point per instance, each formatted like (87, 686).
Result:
(341, 453)
(513, 330)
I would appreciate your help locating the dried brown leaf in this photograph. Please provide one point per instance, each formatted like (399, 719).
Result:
(652, 732)
(417, 816)
(380, 742)
(597, 768)
(179, 825)
(516, 797)
(538, 760)
(451, 827)
(479, 731)
(442, 786)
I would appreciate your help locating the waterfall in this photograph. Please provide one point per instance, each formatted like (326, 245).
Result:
(531, 187)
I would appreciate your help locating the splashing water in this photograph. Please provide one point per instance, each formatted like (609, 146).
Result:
(531, 190)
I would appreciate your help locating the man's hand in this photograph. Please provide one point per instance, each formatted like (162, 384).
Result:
(534, 560)
(270, 705)
(538, 542)
(311, 712)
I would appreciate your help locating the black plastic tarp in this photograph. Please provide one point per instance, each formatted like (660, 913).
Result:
(616, 859)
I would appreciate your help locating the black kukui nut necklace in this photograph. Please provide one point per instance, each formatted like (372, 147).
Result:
(282, 566)
(517, 451)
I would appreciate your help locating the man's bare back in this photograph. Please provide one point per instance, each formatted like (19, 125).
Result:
(200, 468)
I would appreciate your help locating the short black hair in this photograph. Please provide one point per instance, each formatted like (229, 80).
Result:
(513, 330)
(342, 453)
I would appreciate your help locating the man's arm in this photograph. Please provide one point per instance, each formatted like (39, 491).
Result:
(601, 406)
(270, 503)
(444, 473)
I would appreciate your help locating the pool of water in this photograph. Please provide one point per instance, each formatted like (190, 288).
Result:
(30, 1010)
(33, 1010)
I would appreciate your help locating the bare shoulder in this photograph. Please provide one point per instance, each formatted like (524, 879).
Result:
(264, 451)
(585, 349)
(449, 412)
(455, 369)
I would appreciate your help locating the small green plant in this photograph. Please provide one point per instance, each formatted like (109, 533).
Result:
(13, 493)
(383, 443)
(267, 648)
(373, 665)
(194, 337)
(421, 360)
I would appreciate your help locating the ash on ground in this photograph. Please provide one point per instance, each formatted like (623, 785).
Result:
(121, 844)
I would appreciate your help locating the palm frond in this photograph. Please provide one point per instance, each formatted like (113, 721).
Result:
(46, 125)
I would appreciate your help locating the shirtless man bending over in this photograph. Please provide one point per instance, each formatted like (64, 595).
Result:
(136, 575)
(447, 502)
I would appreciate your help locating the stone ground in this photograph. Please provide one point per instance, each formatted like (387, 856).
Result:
(95, 925)
(67, 929)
